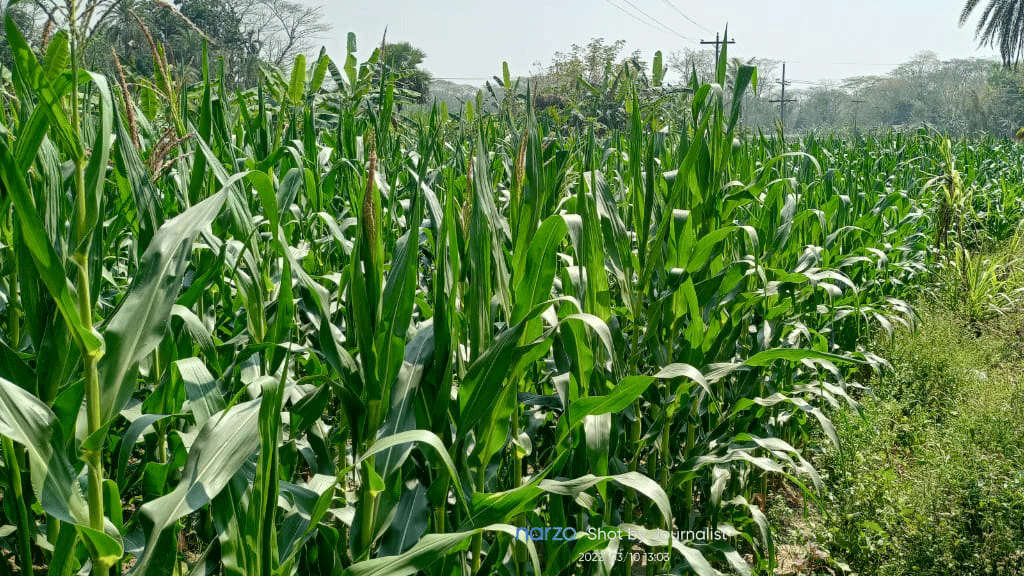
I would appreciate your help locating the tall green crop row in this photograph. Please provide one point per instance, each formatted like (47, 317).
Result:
(296, 330)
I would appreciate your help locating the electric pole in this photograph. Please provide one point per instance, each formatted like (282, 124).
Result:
(718, 42)
(856, 113)
(782, 101)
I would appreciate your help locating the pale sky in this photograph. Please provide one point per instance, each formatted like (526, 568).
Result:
(466, 40)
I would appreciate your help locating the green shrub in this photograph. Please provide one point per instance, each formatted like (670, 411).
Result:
(930, 479)
(931, 366)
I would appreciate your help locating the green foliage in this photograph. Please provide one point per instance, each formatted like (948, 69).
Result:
(128, 36)
(964, 96)
(402, 61)
(927, 378)
(981, 287)
(309, 334)
(593, 85)
(999, 25)
(930, 480)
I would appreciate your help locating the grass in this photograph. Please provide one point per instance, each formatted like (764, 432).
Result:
(930, 481)
(980, 287)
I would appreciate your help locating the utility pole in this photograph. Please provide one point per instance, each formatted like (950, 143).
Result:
(856, 113)
(717, 44)
(782, 101)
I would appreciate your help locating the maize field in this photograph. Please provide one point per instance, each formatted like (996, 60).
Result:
(295, 330)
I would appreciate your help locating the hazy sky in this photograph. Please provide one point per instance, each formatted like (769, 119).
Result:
(466, 40)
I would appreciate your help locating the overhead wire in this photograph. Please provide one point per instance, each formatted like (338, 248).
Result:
(652, 22)
(656, 24)
(659, 22)
(846, 63)
(683, 14)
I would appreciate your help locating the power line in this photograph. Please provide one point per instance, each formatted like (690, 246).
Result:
(631, 15)
(657, 24)
(680, 12)
(768, 59)
(848, 63)
(824, 83)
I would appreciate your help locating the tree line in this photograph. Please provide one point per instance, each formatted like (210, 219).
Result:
(966, 96)
(129, 34)
(584, 84)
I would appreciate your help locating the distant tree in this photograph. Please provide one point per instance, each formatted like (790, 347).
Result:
(247, 31)
(1001, 24)
(589, 81)
(1007, 93)
(280, 29)
(403, 60)
(451, 93)
(242, 33)
(821, 108)
(688, 62)
(26, 17)
(591, 63)
(758, 112)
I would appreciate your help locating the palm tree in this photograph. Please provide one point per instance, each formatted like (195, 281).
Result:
(1002, 24)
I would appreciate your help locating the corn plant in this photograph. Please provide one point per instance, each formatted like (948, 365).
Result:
(298, 330)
